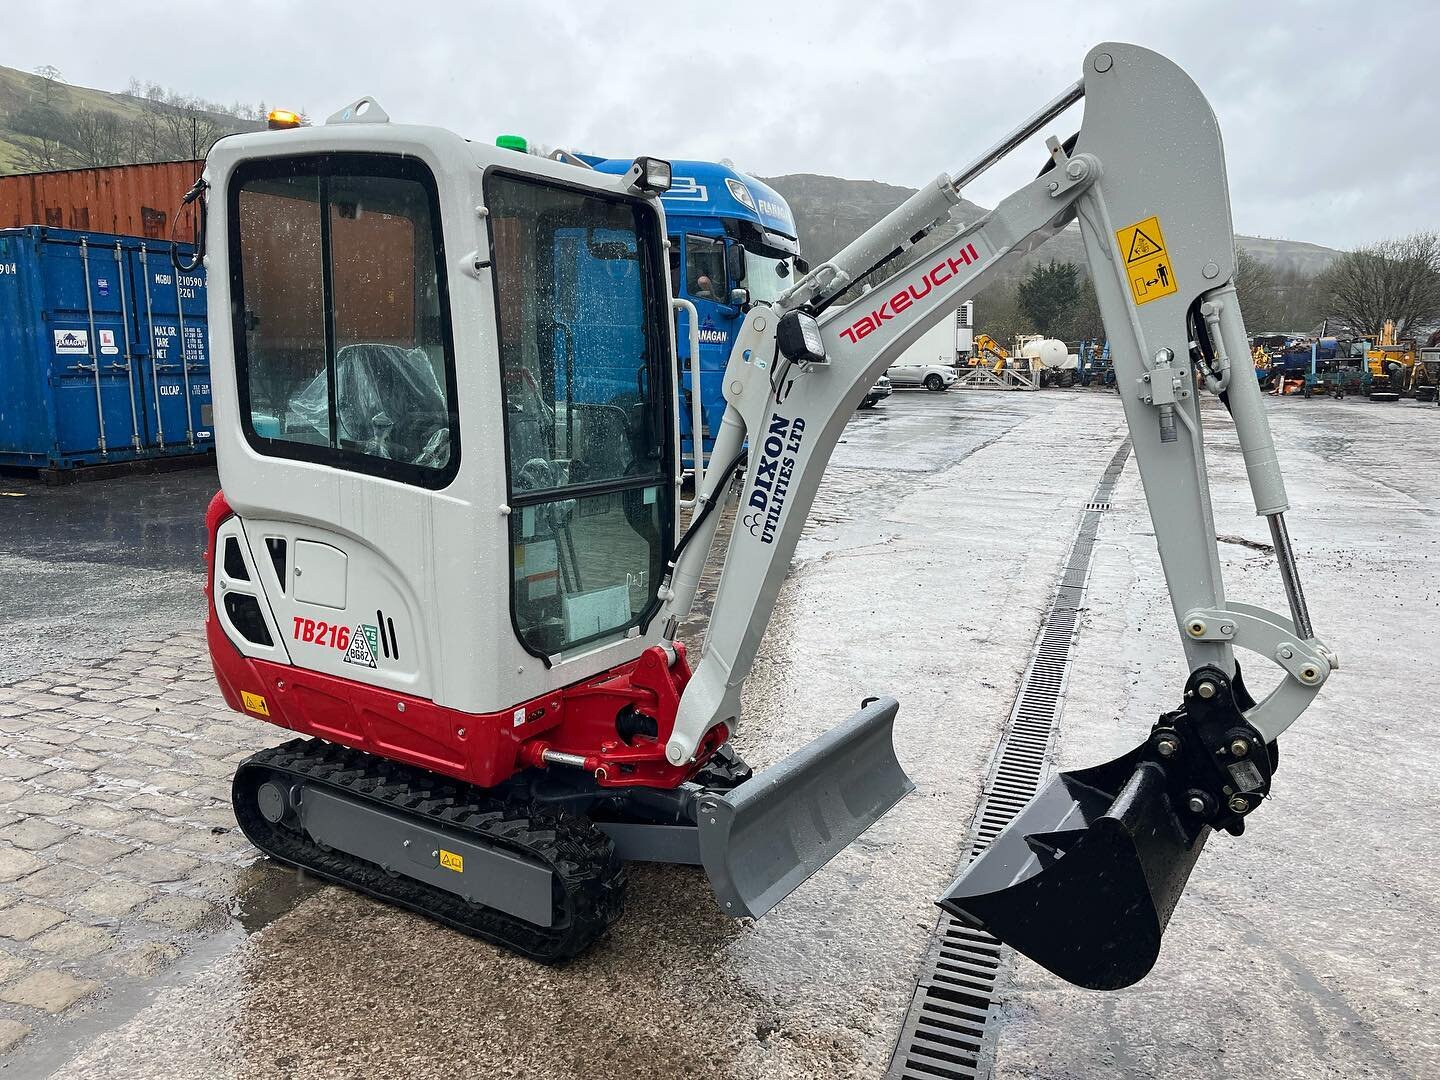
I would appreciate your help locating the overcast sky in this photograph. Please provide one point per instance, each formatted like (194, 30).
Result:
(1328, 108)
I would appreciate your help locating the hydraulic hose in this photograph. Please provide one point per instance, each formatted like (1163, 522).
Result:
(708, 508)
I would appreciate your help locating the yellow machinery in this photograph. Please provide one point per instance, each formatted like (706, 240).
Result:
(989, 353)
(1424, 382)
(1390, 364)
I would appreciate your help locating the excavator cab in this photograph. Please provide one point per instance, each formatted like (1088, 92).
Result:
(450, 472)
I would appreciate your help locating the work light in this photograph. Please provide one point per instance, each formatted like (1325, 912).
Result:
(650, 174)
(798, 336)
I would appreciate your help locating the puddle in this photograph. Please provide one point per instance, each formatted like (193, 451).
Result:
(272, 890)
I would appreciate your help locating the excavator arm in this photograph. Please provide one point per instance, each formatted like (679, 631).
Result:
(1085, 879)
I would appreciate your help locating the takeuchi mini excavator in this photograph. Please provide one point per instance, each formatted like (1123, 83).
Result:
(451, 551)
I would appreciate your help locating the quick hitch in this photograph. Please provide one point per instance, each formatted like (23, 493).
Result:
(1218, 766)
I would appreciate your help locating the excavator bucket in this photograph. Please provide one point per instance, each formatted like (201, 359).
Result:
(760, 840)
(1084, 879)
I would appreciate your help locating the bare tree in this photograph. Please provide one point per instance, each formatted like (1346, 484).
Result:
(1300, 300)
(1259, 293)
(41, 153)
(50, 78)
(96, 138)
(1392, 279)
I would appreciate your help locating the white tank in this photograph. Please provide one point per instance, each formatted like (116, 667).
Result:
(1046, 352)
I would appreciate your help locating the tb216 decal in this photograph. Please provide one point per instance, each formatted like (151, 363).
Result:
(358, 645)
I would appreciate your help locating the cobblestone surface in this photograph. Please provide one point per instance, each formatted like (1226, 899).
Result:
(118, 850)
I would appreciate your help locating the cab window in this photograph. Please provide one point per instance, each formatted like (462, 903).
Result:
(343, 346)
(581, 312)
(705, 269)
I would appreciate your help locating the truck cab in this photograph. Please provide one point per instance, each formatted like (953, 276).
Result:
(733, 242)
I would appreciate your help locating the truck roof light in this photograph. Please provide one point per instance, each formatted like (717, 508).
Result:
(279, 119)
(650, 174)
(513, 142)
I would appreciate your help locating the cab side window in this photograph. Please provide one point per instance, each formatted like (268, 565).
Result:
(705, 269)
(344, 353)
(585, 370)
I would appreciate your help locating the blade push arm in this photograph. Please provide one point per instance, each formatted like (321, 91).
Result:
(1146, 181)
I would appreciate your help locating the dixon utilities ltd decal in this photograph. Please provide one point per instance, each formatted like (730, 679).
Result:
(772, 476)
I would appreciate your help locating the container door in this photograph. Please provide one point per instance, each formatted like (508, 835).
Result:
(25, 429)
(169, 307)
(96, 390)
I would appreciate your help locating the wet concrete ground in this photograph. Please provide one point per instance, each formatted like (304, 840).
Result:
(88, 567)
(1309, 946)
(929, 561)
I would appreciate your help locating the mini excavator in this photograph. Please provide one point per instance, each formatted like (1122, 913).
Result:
(448, 550)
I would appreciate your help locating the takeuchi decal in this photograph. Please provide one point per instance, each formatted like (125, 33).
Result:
(936, 276)
(772, 476)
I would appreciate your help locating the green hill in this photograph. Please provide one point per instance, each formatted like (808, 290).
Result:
(46, 123)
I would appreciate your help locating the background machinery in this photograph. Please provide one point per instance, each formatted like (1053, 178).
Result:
(1389, 363)
(1093, 364)
(993, 367)
(1425, 374)
(454, 562)
(1051, 358)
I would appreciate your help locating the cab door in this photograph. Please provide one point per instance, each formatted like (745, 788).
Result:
(582, 320)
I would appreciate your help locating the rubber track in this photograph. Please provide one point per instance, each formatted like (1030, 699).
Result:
(589, 878)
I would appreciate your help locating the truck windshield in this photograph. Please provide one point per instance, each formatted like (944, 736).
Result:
(585, 375)
(767, 278)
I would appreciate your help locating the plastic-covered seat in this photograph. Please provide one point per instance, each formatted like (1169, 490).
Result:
(388, 404)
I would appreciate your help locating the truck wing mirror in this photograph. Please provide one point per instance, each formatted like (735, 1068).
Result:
(735, 262)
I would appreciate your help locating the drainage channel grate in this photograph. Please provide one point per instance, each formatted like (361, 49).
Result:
(945, 1032)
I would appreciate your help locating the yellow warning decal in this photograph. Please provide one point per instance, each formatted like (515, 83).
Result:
(1147, 262)
(451, 861)
(254, 703)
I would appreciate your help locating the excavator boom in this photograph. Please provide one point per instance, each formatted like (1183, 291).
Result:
(1085, 879)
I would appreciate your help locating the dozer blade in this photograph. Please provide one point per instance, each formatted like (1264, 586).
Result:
(760, 840)
(1085, 878)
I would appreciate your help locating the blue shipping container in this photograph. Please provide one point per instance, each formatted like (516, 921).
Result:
(104, 354)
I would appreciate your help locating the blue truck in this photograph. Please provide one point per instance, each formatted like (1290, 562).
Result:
(732, 241)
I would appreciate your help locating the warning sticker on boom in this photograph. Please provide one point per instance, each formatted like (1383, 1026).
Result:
(1147, 262)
